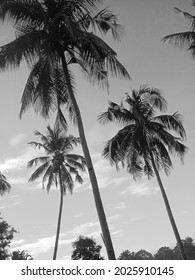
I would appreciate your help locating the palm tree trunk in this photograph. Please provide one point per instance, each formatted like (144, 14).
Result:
(171, 218)
(59, 220)
(92, 175)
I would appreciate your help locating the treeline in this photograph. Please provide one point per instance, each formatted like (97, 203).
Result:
(164, 253)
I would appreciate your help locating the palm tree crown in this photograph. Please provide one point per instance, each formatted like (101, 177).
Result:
(143, 133)
(59, 164)
(45, 30)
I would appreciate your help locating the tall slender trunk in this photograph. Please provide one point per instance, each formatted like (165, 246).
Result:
(171, 218)
(59, 219)
(92, 175)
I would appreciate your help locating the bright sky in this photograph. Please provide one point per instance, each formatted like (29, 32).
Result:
(135, 210)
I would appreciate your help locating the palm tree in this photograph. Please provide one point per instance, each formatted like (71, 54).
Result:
(184, 39)
(144, 143)
(51, 36)
(4, 185)
(58, 166)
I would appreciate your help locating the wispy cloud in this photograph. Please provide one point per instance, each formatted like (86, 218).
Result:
(17, 139)
(120, 205)
(45, 244)
(19, 162)
(141, 189)
(17, 242)
(106, 175)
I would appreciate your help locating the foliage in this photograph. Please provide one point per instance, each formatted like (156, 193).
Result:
(44, 29)
(4, 185)
(58, 166)
(184, 39)
(6, 235)
(140, 255)
(143, 133)
(85, 248)
(21, 255)
(189, 246)
(50, 37)
(163, 253)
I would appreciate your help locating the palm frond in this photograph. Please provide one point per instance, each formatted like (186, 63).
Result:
(134, 165)
(37, 160)
(173, 122)
(39, 171)
(115, 148)
(76, 164)
(105, 21)
(153, 97)
(4, 185)
(189, 17)
(51, 179)
(22, 11)
(181, 40)
(116, 113)
(66, 180)
(161, 155)
(23, 48)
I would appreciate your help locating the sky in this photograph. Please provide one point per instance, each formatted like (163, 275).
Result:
(135, 210)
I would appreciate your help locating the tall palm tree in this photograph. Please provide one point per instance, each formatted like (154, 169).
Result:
(144, 143)
(184, 39)
(58, 166)
(4, 185)
(51, 36)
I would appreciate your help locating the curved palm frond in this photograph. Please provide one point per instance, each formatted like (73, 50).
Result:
(117, 113)
(37, 160)
(39, 171)
(22, 11)
(105, 21)
(4, 185)
(172, 122)
(24, 47)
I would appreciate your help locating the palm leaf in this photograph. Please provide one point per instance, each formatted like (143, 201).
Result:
(39, 171)
(181, 40)
(117, 113)
(173, 122)
(22, 48)
(189, 17)
(38, 160)
(4, 185)
(22, 11)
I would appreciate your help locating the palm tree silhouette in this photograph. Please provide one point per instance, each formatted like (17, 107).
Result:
(58, 166)
(50, 36)
(144, 143)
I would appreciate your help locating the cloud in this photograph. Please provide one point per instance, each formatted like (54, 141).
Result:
(120, 205)
(141, 189)
(17, 242)
(45, 244)
(106, 175)
(19, 162)
(17, 139)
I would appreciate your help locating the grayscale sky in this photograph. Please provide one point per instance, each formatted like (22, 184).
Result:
(135, 210)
